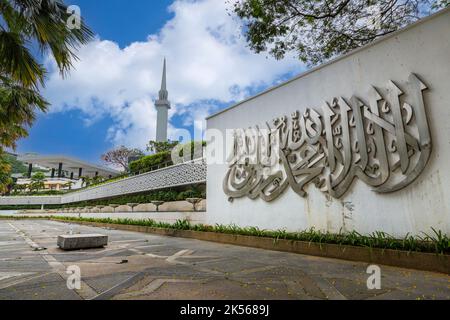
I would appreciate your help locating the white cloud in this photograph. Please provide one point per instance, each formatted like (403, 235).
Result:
(207, 61)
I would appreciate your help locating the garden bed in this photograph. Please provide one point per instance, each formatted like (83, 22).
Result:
(437, 262)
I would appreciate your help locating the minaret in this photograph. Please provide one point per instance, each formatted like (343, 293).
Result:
(162, 106)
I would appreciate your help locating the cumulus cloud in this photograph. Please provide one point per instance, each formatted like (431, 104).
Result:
(208, 65)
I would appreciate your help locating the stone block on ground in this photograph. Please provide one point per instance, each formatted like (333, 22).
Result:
(82, 241)
(123, 208)
(107, 209)
(201, 206)
(176, 206)
(145, 207)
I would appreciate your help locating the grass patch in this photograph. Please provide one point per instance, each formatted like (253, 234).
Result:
(432, 242)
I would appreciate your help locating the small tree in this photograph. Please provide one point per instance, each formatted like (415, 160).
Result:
(121, 156)
(157, 147)
(68, 185)
(188, 151)
(37, 181)
(97, 179)
(38, 176)
(19, 188)
(86, 181)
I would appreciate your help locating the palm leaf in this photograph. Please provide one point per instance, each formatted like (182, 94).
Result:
(17, 61)
(23, 23)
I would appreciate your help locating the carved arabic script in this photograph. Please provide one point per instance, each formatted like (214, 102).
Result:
(384, 141)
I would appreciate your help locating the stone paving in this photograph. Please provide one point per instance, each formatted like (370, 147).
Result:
(143, 266)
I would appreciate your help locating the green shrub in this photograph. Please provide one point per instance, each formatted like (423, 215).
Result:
(193, 144)
(39, 193)
(192, 193)
(147, 163)
(93, 183)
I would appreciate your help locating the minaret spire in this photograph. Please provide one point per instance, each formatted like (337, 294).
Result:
(162, 106)
(163, 93)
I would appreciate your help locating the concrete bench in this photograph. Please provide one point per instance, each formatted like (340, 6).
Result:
(82, 241)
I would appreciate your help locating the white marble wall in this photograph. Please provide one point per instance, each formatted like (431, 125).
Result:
(423, 49)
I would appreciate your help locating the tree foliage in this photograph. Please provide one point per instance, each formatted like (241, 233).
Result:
(319, 30)
(86, 181)
(5, 174)
(194, 150)
(121, 156)
(38, 176)
(23, 24)
(16, 165)
(157, 146)
(18, 106)
(150, 162)
(37, 182)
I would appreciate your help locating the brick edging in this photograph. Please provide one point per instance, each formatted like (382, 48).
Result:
(396, 258)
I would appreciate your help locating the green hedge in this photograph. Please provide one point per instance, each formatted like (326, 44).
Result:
(152, 162)
(434, 241)
(148, 163)
(193, 145)
(40, 193)
(23, 207)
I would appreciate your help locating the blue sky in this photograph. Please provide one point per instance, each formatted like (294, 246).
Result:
(108, 98)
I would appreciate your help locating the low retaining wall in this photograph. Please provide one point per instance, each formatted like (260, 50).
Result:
(396, 258)
(172, 206)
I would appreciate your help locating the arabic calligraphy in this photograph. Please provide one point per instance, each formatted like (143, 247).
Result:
(383, 141)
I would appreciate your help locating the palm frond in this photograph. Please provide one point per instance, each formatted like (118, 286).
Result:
(17, 61)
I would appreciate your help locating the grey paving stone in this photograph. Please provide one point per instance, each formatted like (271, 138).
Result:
(104, 283)
(176, 268)
(50, 287)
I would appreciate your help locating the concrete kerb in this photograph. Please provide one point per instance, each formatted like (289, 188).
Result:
(396, 258)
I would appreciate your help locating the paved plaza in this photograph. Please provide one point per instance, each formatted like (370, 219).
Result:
(144, 266)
